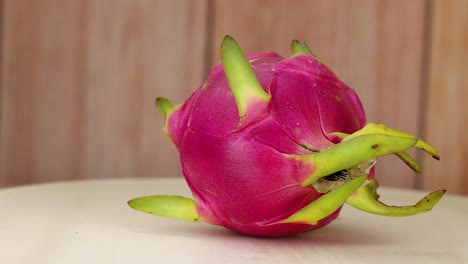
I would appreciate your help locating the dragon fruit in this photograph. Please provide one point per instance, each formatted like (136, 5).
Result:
(274, 146)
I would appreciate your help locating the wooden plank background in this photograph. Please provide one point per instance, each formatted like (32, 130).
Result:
(79, 78)
(447, 95)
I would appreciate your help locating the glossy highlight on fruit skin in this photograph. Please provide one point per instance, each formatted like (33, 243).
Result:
(273, 146)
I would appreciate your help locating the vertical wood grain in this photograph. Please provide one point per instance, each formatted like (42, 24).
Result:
(1, 76)
(447, 91)
(373, 46)
(80, 79)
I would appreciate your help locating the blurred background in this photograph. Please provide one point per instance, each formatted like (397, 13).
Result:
(79, 78)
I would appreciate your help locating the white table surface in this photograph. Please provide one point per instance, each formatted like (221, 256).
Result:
(90, 222)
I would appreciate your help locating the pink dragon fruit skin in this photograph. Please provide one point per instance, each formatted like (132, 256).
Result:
(228, 169)
(255, 141)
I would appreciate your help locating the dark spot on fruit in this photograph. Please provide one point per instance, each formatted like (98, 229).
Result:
(375, 146)
(322, 93)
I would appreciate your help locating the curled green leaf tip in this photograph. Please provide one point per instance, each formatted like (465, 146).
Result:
(366, 199)
(171, 206)
(409, 161)
(372, 141)
(326, 204)
(299, 48)
(164, 106)
(240, 76)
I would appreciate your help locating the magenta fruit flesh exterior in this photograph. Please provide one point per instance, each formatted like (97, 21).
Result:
(274, 146)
